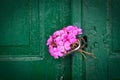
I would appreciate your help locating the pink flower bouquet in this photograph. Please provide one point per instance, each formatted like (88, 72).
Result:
(64, 41)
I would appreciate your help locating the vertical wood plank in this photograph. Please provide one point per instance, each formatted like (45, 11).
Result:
(94, 22)
(114, 39)
(77, 58)
(54, 15)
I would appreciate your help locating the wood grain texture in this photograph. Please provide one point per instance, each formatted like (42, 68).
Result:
(77, 62)
(23, 23)
(94, 22)
(54, 15)
(32, 61)
(10, 17)
(100, 21)
(114, 51)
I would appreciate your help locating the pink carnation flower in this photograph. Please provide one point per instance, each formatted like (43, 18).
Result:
(60, 42)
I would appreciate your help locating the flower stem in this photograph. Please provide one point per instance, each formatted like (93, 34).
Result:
(84, 52)
(83, 55)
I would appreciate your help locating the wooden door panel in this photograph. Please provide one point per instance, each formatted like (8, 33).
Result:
(101, 24)
(25, 26)
(19, 31)
(115, 29)
(14, 23)
(114, 54)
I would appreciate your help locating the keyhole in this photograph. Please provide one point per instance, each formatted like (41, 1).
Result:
(85, 38)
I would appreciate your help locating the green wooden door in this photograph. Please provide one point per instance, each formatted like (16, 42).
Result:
(25, 26)
(101, 24)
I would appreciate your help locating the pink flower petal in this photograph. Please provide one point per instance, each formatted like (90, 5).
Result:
(67, 45)
(56, 33)
(79, 31)
(49, 41)
(60, 54)
(61, 48)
